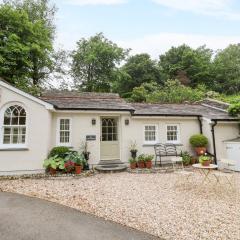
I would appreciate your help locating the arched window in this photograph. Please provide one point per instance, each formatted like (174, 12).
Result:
(14, 125)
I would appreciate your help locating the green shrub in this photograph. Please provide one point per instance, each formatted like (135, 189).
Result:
(186, 157)
(234, 109)
(132, 160)
(198, 140)
(59, 151)
(76, 158)
(54, 162)
(174, 92)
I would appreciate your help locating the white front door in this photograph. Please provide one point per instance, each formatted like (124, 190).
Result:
(109, 139)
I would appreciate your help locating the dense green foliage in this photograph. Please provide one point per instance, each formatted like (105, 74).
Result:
(54, 162)
(234, 109)
(171, 92)
(227, 70)
(137, 70)
(26, 43)
(94, 63)
(198, 140)
(189, 66)
(59, 151)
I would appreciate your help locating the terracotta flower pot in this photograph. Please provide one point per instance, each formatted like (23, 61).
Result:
(133, 165)
(141, 164)
(193, 160)
(200, 150)
(52, 171)
(148, 164)
(206, 163)
(78, 169)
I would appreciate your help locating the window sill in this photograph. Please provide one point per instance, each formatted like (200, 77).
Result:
(149, 144)
(13, 149)
(168, 143)
(174, 143)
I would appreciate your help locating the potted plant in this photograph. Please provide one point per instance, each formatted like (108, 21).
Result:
(199, 142)
(140, 161)
(148, 161)
(193, 159)
(186, 158)
(205, 160)
(53, 163)
(133, 163)
(133, 149)
(77, 160)
(69, 166)
(86, 154)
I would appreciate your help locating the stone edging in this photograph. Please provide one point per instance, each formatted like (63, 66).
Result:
(47, 176)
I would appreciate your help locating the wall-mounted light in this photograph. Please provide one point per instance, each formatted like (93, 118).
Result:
(126, 121)
(93, 121)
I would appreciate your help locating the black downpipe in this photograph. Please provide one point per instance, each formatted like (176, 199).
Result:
(214, 142)
(200, 124)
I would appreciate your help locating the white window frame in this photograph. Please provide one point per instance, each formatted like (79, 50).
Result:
(11, 145)
(156, 134)
(178, 133)
(58, 143)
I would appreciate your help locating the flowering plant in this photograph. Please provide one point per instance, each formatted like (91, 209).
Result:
(69, 166)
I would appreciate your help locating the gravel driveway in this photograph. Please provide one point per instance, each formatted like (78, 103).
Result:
(160, 204)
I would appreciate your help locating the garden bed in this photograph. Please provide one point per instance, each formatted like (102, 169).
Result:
(159, 204)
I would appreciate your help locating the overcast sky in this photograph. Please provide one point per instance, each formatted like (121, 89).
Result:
(151, 26)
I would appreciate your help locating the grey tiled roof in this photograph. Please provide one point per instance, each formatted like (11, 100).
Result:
(215, 103)
(65, 100)
(179, 110)
(86, 101)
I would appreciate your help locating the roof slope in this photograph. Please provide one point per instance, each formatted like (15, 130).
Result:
(12, 88)
(73, 100)
(205, 110)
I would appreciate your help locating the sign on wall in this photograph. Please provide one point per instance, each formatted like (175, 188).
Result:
(90, 137)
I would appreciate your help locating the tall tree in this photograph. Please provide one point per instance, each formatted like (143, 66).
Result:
(138, 69)
(226, 68)
(188, 65)
(37, 41)
(94, 63)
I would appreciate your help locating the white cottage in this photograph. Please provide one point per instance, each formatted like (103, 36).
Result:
(31, 126)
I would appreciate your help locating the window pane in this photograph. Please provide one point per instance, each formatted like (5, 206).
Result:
(7, 131)
(15, 131)
(14, 139)
(6, 139)
(22, 121)
(14, 121)
(7, 118)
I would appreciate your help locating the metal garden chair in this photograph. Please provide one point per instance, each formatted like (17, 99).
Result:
(226, 173)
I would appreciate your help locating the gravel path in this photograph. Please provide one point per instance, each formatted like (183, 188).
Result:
(160, 204)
